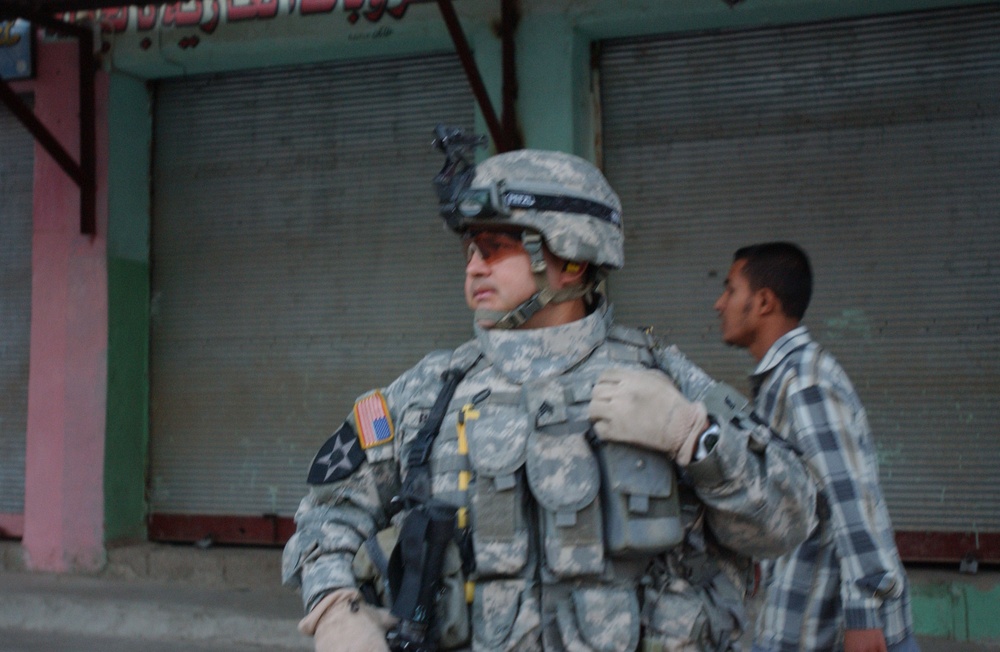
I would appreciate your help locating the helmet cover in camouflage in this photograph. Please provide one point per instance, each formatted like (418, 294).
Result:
(575, 236)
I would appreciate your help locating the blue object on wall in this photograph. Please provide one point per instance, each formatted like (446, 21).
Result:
(16, 60)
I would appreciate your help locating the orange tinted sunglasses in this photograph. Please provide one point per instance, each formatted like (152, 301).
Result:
(492, 246)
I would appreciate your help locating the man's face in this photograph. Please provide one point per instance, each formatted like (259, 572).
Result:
(738, 319)
(497, 271)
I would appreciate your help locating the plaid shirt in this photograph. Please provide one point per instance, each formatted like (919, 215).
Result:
(848, 574)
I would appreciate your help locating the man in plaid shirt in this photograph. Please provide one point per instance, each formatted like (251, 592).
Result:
(845, 587)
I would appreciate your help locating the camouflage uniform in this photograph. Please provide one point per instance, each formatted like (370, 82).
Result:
(513, 451)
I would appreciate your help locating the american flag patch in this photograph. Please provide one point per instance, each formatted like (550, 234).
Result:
(371, 415)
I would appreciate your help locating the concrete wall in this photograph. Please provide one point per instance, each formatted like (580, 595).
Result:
(67, 386)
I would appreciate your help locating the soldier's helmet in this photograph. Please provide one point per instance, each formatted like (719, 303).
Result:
(563, 197)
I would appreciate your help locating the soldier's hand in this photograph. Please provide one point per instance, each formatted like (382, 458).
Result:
(643, 407)
(343, 622)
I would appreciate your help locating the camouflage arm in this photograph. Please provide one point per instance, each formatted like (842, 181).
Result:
(689, 377)
(759, 496)
(332, 522)
(760, 500)
(334, 519)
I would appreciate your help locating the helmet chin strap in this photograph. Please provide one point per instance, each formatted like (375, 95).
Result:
(544, 296)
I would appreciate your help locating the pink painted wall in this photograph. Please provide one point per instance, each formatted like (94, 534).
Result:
(67, 384)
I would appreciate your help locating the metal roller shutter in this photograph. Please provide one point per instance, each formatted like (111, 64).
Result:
(298, 260)
(875, 144)
(17, 160)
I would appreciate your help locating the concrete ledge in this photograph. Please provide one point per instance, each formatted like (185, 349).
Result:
(173, 596)
(950, 608)
(11, 556)
(149, 610)
(218, 566)
(232, 567)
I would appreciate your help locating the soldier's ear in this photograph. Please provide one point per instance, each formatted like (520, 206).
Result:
(572, 271)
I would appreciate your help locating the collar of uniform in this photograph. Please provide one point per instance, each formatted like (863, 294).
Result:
(785, 344)
(532, 354)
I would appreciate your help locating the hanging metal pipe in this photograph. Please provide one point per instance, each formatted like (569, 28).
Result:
(500, 139)
(510, 16)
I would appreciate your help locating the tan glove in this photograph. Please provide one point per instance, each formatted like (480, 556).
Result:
(343, 622)
(643, 407)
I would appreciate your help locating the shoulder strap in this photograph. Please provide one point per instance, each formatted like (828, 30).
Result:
(417, 487)
(414, 568)
(633, 336)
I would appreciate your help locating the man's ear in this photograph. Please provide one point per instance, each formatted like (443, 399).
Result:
(768, 302)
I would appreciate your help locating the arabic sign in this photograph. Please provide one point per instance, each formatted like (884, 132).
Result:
(207, 15)
(15, 50)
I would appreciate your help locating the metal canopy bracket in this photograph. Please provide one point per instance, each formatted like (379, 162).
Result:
(505, 132)
(82, 173)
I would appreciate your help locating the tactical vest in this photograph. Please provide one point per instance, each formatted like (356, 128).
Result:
(560, 523)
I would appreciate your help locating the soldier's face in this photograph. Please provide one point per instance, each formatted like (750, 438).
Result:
(736, 308)
(494, 281)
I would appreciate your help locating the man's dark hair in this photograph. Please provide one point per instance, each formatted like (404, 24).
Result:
(783, 268)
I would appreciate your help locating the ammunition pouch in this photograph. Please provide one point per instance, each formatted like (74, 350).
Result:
(601, 618)
(569, 507)
(708, 616)
(500, 531)
(641, 503)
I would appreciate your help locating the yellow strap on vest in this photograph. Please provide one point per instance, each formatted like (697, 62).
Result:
(468, 412)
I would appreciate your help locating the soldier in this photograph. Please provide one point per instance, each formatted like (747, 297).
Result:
(539, 512)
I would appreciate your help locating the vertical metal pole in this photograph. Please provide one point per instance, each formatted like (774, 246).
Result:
(472, 74)
(88, 155)
(510, 16)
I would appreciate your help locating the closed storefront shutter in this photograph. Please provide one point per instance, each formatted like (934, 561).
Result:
(875, 144)
(16, 179)
(298, 260)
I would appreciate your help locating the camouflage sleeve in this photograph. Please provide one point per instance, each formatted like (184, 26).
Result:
(689, 377)
(331, 523)
(335, 518)
(759, 498)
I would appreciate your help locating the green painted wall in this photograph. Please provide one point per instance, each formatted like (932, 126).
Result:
(957, 610)
(126, 444)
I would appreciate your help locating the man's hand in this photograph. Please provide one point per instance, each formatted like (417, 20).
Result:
(643, 407)
(864, 640)
(343, 622)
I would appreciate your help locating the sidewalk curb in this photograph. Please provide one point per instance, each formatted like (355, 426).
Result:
(149, 611)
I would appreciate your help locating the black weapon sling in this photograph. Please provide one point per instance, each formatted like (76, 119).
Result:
(416, 562)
